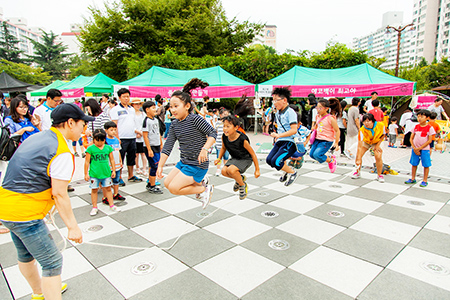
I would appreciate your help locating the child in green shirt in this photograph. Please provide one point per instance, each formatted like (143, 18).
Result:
(97, 169)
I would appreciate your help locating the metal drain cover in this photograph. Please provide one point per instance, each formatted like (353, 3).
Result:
(269, 214)
(262, 194)
(435, 268)
(335, 186)
(279, 245)
(93, 228)
(122, 203)
(203, 214)
(335, 214)
(143, 268)
(414, 202)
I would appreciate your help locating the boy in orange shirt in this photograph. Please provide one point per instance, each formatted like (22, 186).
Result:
(435, 126)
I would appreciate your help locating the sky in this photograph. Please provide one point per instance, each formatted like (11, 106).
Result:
(301, 24)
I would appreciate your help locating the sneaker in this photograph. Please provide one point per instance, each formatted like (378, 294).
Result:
(410, 181)
(154, 190)
(236, 185)
(332, 164)
(119, 197)
(291, 180)
(348, 154)
(423, 184)
(41, 296)
(356, 175)
(218, 172)
(243, 191)
(114, 208)
(283, 177)
(121, 182)
(157, 182)
(343, 154)
(105, 201)
(94, 211)
(135, 179)
(205, 182)
(76, 154)
(298, 164)
(206, 195)
(380, 178)
(291, 163)
(83, 155)
(70, 188)
(394, 146)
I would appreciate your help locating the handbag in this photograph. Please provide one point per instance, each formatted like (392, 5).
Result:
(313, 135)
(8, 143)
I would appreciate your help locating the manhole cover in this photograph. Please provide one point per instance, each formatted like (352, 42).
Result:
(435, 268)
(202, 214)
(262, 194)
(414, 202)
(93, 228)
(279, 245)
(335, 186)
(143, 268)
(123, 203)
(269, 214)
(335, 214)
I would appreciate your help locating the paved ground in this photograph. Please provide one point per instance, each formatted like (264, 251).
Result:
(332, 238)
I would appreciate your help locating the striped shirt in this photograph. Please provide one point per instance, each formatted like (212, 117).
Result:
(99, 121)
(219, 129)
(191, 133)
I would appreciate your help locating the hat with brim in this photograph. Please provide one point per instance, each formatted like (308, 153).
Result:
(136, 101)
(66, 111)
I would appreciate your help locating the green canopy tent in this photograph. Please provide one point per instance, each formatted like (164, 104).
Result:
(356, 81)
(87, 86)
(43, 91)
(165, 81)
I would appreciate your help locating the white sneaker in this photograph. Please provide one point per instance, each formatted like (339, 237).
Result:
(115, 208)
(356, 175)
(206, 195)
(205, 183)
(348, 154)
(218, 172)
(94, 211)
(380, 178)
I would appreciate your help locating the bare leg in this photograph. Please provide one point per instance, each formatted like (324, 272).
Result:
(413, 172)
(107, 193)
(233, 172)
(30, 272)
(116, 189)
(287, 169)
(94, 197)
(379, 162)
(52, 287)
(170, 177)
(426, 171)
(185, 185)
(130, 171)
(359, 155)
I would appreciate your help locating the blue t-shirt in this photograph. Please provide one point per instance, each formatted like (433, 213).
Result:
(14, 127)
(284, 120)
(115, 144)
(302, 133)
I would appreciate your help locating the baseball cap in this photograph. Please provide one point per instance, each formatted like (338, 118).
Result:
(66, 111)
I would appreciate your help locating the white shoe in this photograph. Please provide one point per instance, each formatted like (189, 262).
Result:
(206, 196)
(94, 211)
(115, 208)
(218, 172)
(380, 178)
(356, 175)
(205, 183)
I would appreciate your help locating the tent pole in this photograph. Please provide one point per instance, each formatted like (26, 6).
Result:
(256, 114)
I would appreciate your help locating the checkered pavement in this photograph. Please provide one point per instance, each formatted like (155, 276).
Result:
(324, 237)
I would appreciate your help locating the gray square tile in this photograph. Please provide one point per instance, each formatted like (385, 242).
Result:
(81, 214)
(298, 247)
(289, 284)
(305, 180)
(403, 214)
(392, 285)
(218, 180)
(197, 246)
(370, 194)
(317, 194)
(265, 195)
(349, 180)
(152, 198)
(8, 255)
(139, 215)
(426, 193)
(260, 181)
(102, 255)
(4, 290)
(194, 286)
(337, 215)
(432, 241)
(445, 211)
(195, 215)
(365, 246)
(283, 215)
(218, 194)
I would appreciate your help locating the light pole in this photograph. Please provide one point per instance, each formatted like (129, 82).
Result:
(399, 37)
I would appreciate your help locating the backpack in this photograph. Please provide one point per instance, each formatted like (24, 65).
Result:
(8, 143)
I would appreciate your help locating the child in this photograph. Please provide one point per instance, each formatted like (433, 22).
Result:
(393, 132)
(371, 135)
(138, 120)
(421, 138)
(219, 128)
(152, 144)
(376, 111)
(436, 127)
(195, 136)
(327, 131)
(97, 169)
(216, 115)
(302, 139)
(113, 141)
(241, 152)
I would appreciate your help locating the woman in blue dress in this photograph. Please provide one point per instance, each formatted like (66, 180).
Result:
(20, 121)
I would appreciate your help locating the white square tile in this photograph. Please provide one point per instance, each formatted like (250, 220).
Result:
(239, 270)
(313, 166)
(436, 186)
(439, 223)
(164, 229)
(312, 229)
(415, 263)
(134, 188)
(228, 187)
(274, 174)
(131, 203)
(237, 229)
(336, 187)
(386, 186)
(77, 202)
(5, 238)
(177, 204)
(340, 271)
(279, 186)
(388, 229)
(236, 206)
(357, 204)
(322, 175)
(296, 204)
(423, 205)
(81, 190)
(109, 227)
(128, 284)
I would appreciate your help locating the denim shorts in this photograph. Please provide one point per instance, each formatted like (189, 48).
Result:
(33, 241)
(194, 171)
(116, 180)
(226, 155)
(94, 183)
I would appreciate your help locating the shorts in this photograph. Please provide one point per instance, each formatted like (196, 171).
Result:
(424, 157)
(139, 147)
(128, 147)
(301, 153)
(153, 161)
(281, 151)
(367, 146)
(226, 156)
(241, 164)
(94, 183)
(116, 180)
(196, 172)
(32, 240)
(80, 141)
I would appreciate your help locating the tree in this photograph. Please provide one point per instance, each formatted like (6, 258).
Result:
(8, 46)
(192, 27)
(25, 73)
(337, 55)
(82, 65)
(50, 56)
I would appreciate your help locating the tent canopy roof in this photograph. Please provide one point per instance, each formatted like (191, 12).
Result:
(99, 83)
(43, 91)
(157, 76)
(11, 84)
